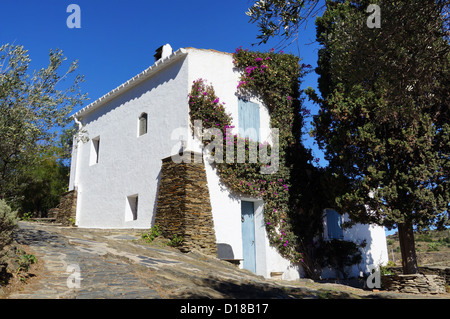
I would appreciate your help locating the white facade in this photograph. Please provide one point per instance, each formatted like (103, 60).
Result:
(374, 254)
(118, 170)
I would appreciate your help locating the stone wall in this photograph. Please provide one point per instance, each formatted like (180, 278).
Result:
(67, 209)
(430, 270)
(184, 207)
(417, 283)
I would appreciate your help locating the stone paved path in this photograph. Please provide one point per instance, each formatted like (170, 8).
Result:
(102, 275)
(112, 264)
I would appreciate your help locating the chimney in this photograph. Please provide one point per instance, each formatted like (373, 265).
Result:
(163, 52)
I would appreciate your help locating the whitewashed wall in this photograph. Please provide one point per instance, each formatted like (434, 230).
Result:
(374, 254)
(129, 164)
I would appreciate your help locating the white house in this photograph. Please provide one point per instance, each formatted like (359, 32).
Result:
(146, 119)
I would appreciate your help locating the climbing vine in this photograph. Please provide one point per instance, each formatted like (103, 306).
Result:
(273, 78)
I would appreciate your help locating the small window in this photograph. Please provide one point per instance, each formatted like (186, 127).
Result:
(95, 148)
(334, 225)
(131, 209)
(142, 124)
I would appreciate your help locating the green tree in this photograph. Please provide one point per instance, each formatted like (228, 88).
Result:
(384, 112)
(33, 109)
(43, 185)
(282, 18)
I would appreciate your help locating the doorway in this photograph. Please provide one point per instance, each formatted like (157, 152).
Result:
(248, 235)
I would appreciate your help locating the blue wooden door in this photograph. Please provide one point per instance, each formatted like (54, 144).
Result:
(248, 235)
(248, 120)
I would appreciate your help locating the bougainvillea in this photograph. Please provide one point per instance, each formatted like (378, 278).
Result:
(274, 78)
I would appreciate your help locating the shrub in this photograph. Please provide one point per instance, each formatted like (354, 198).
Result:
(433, 247)
(25, 261)
(8, 223)
(150, 236)
(176, 241)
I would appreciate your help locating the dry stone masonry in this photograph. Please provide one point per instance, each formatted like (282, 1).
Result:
(417, 283)
(184, 207)
(66, 211)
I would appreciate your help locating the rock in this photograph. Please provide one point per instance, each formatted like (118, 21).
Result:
(416, 283)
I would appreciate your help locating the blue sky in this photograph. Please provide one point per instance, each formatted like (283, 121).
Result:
(117, 39)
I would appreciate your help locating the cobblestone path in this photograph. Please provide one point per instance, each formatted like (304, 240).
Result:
(95, 264)
(78, 267)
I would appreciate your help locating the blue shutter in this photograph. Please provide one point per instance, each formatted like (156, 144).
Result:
(249, 120)
(334, 225)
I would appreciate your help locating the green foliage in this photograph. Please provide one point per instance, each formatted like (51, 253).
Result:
(42, 185)
(33, 108)
(176, 241)
(433, 246)
(424, 237)
(25, 261)
(281, 17)
(26, 216)
(339, 254)
(8, 224)
(385, 271)
(150, 236)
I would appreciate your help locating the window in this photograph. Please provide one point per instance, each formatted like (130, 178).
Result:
(248, 119)
(142, 124)
(334, 224)
(95, 147)
(131, 209)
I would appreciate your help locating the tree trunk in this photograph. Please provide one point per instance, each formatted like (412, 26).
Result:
(408, 249)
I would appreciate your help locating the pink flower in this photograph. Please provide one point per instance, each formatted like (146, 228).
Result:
(216, 100)
(258, 59)
(241, 83)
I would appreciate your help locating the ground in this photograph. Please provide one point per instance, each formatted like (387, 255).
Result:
(93, 264)
(432, 248)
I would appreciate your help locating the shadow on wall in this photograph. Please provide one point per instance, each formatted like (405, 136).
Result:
(358, 234)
